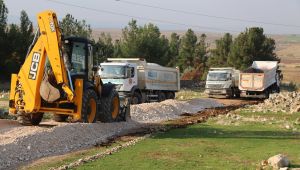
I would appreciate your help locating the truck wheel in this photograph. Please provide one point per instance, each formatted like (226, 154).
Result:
(231, 94)
(267, 93)
(32, 119)
(89, 106)
(277, 90)
(110, 107)
(60, 117)
(237, 95)
(136, 98)
(161, 96)
(170, 95)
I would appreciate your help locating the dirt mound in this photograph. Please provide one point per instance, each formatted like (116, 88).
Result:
(288, 102)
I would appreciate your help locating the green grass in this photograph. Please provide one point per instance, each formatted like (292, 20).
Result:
(209, 146)
(56, 161)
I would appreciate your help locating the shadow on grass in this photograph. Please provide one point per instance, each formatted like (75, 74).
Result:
(205, 131)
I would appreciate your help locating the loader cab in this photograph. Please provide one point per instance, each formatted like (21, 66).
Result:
(79, 54)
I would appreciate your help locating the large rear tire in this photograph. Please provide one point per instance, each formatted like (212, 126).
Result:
(170, 95)
(89, 106)
(161, 96)
(31, 119)
(110, 107)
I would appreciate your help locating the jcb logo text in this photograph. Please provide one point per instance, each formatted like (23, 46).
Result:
(34, 66)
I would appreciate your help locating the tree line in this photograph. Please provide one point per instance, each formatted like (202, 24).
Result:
(191, 53)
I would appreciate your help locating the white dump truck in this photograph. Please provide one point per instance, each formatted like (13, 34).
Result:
(222, 81)
(261, 79)
(144, 82)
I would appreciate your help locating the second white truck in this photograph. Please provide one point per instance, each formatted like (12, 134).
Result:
(261, 79)
(222, 81)
(144, 82)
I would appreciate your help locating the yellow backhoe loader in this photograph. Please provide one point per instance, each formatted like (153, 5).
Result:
(59, 77)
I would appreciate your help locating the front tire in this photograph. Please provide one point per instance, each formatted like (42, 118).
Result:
(231, 94)
(110, 107)
(89, 106)
(31, 119)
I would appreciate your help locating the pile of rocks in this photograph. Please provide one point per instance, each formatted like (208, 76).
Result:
(287, 102)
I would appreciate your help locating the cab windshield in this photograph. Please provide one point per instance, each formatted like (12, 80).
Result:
(217, 77)
(112, 72)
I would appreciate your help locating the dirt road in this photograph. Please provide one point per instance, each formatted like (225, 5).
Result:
(20, 144)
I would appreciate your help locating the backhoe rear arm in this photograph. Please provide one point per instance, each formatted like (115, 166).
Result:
(25, 86)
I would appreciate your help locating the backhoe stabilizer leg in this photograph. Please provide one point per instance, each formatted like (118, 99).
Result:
(69, 92)
(78, 99)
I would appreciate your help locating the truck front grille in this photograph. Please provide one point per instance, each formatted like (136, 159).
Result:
(215, 86)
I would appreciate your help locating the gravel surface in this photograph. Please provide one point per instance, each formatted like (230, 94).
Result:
(169, 109)
(20, 144)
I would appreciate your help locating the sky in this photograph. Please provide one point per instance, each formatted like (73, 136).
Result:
(275, 16)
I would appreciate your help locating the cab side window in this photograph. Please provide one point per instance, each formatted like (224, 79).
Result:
(78, 58)
(132, 71)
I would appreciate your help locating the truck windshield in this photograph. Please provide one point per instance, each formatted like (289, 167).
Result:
(112, 72)
(217, 77)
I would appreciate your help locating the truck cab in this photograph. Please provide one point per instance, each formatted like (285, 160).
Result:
(222, 81)
(140, 80)
(123, 75)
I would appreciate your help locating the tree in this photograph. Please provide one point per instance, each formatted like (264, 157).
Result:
(193, 55)
(250, 46)
(104, 48)
(13, 58)
(145, 42)
(201, 55)
(201, 51)
(219, 55)
(26, 35)
(187, 49)
(17, 40)
(3, 16)
(174, 49)
(117, 49)
(3, 26)
(72, 27)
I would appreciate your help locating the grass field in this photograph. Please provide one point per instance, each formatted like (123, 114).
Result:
(220, 143)
(209, 146)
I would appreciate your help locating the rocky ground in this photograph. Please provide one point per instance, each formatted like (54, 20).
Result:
(19, 144)
(287, 102)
